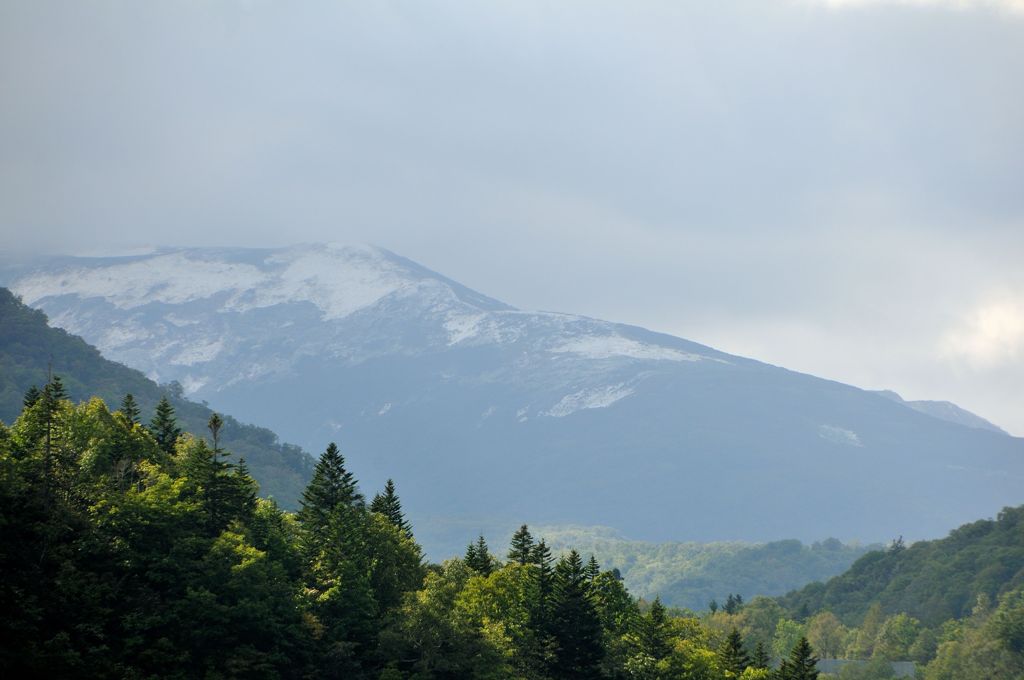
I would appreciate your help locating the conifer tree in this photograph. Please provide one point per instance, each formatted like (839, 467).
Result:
(733, 604)
(130, 409)
(575, 624)
(332, 486)
(31, 397)
(521, 550)
(54, 390)
(478, 557)
(653, 633)
(214, 425)
(53, 395)
(761, 658)
(734, 658)
(801, 664)
(164, 426)
(388, 505)
(544, 575)
(592, 570)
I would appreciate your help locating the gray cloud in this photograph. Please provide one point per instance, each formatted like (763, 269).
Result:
(831, 186)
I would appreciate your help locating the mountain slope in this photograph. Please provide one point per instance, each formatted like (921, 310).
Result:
(944, 410)
(548, 418)
(932, 581)
(692, 574)
(28, 345)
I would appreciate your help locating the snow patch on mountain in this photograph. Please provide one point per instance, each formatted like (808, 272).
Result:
(337, 280)
(839, 435)
(199, 353)
(593, 397)
(155, 279)
(609, 346)
(462, 327)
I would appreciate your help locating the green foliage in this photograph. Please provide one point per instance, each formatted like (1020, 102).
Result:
(124, 559)
(983, 645)
(389, 506)
(735, 659)
(690, 575)
(28, 345)
(788, 634)
(478, 557)
(575, 625)
(931, 581)
(113, 565)
(521, 550)
(801, 663)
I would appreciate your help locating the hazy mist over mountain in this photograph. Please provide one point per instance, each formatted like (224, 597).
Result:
(831, 186)
(493, 414)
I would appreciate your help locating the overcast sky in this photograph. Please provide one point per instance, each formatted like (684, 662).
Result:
(833, 186)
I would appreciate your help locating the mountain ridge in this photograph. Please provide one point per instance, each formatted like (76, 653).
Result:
(540, 416)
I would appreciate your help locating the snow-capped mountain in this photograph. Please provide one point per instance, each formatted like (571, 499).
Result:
(490, 415)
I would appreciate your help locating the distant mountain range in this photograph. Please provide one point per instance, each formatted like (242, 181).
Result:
(487, 415)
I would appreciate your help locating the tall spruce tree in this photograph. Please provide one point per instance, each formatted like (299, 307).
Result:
(544, 576)
(54, 390)
(478, 557)
(521, 550)
(734, 658)
(32, 395)
(592, 570)
(164, 426)
(801, 664)
(332, 486)
(334, 541)
(761, 659)
(575, 624)
(130, 409)
(388, 505)
(653, 633)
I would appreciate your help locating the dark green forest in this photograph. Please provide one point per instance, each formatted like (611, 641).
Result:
(933, 581)
(29, 346)
(134, 550)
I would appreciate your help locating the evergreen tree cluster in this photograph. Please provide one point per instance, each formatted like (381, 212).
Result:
(132, 550)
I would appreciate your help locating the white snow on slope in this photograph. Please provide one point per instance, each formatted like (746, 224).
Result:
(337, 280)
(171, 279)
(839, 435)
(594, 397)
(462, 327)
(608, 346)
(198, 353)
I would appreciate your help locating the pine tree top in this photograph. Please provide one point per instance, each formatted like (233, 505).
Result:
(388, 505)
(130, 409)
(331, 488)
(522, 547)
(478, 557)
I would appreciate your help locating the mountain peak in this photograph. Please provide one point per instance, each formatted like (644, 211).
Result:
(484, 405)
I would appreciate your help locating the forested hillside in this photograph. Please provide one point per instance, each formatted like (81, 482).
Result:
(28, 346)
(126, 554)
(129, 552)
(692, 574)
(932, 581)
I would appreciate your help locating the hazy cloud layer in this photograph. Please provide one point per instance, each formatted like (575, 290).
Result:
(834, 186)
